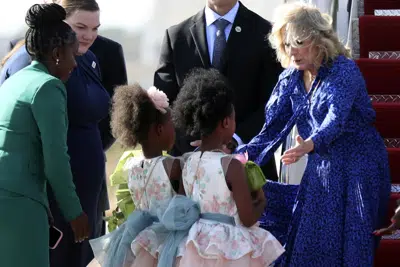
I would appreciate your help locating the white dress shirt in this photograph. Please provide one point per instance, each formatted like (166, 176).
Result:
(211, 29)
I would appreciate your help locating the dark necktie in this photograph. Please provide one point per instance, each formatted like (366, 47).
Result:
(219, 43)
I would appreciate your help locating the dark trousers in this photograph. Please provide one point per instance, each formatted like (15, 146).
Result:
(68, 253)
(71, 254)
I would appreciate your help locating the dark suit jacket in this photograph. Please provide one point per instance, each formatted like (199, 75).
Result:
(250, 66)
(113, 73)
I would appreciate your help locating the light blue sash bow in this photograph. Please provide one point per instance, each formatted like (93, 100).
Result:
(177, 219)
(114, 249)
(172, 223)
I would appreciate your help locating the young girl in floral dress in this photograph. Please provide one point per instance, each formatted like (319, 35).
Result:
(141, 117)
(218, 183)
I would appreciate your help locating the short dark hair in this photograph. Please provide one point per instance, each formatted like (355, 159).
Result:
(132, 114)
(204, 100)
(47, 30)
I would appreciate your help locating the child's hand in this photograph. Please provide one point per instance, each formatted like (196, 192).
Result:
(392, 228)
(387, 231)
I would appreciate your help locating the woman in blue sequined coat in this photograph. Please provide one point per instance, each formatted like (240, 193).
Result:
(345, 189)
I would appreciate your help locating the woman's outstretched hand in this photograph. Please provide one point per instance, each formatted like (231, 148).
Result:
(294, 154)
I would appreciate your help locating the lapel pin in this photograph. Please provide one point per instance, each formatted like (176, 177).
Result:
(93, 65)
(238, 29)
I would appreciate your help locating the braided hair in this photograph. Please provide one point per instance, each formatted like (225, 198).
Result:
(47, 30)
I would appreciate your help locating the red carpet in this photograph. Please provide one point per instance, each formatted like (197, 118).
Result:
(381, 75)
(387, 114)
(388, 254)
(394, 162)
(379, 34)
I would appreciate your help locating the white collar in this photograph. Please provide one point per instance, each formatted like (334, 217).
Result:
(211, 16)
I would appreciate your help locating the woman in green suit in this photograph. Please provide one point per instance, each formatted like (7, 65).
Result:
(33, 150)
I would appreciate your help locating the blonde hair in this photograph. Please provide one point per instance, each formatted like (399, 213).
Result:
(12, 52)
(301, 22)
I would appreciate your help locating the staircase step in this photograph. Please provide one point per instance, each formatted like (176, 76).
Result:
(384, 55)
(378, 34)
(371, 5)
(388, 254)
(387, 117)
(394, 163)
(387, 12)
(381, 75)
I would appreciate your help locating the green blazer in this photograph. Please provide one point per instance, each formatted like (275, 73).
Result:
(33, 138)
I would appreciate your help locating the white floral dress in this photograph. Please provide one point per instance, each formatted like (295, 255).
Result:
(150, 185)
(212, 243)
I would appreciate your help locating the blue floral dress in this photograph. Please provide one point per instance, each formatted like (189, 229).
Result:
(346, 185)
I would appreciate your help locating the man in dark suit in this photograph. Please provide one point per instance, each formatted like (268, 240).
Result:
(227, 36)
(113, 73)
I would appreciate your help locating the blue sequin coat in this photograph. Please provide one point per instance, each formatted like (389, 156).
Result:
(346, 185)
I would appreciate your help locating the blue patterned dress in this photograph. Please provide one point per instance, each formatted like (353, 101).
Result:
(346, 185)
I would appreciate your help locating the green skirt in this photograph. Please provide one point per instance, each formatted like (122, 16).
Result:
(24, 232)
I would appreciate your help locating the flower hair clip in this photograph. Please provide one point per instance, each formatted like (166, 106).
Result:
(159, 98)
(242, 157)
